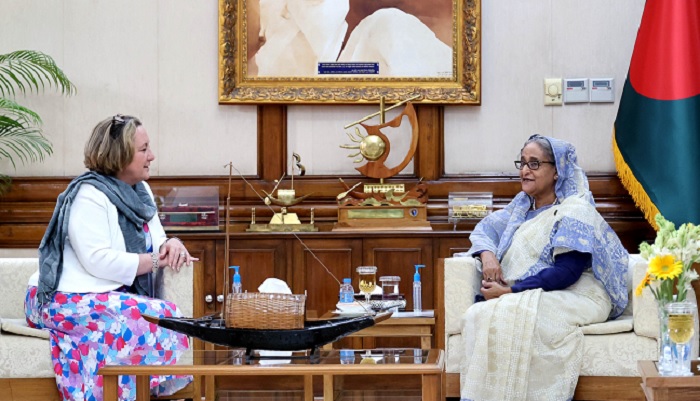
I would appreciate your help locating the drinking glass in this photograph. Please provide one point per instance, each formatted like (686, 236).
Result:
(681, 329)
(368, 280)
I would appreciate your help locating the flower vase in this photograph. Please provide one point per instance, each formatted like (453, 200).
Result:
(665, 365)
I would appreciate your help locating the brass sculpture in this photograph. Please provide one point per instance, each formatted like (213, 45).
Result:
(382, 205)
(283, 221)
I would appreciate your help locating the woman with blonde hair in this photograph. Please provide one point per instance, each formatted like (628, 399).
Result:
(100, 262)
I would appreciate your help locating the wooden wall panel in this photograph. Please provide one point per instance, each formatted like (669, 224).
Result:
(26, 209)
(392, 260)
(339, 256)
(258, 260)
(272, 141)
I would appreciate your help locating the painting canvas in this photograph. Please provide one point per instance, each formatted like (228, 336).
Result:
(348, 51)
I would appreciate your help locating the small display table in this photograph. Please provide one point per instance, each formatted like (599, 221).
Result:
(400, 324)
(669, 388)
(330, 366)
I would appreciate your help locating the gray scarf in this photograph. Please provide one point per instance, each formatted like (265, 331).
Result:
(135, 207)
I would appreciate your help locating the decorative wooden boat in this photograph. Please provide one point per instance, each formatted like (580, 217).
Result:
(315, 333)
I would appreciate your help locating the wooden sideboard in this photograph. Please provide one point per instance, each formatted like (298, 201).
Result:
(301, 260)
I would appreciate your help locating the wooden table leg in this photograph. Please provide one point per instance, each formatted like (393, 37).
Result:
(209, 388)
(328, 393)
(425, 342)
(308, 388)
(197, 388)
(431, 387)
(109, 388)
(143, 388)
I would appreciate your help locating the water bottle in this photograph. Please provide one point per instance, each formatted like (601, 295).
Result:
(347, 356)
(347, 293)
(417, 291)
(236, 287)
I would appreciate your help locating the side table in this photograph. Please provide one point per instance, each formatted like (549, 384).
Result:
(400, 324)
(669, 388)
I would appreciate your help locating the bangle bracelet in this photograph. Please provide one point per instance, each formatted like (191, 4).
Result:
(154, 260)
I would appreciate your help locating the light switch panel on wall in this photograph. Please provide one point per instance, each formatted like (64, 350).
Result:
(552, 92)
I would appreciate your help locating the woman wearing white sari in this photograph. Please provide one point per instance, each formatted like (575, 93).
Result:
(550, 264)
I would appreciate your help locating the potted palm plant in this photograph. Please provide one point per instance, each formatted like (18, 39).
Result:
(21, 137)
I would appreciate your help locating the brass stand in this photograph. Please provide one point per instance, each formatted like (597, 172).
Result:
(282, 222)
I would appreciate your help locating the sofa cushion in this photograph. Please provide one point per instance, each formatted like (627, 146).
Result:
(615, 354)
(24, 357)
(14, 276)
(622, 324)
(19, 326)
(603, 355)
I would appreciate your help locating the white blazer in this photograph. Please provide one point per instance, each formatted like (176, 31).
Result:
(94, 255)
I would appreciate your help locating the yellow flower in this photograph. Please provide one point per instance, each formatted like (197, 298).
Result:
(645, 282)
(665, 267)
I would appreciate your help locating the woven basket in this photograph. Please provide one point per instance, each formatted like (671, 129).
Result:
(254, 310)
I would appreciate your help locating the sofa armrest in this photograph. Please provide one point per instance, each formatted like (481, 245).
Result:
(462, 283)
(644, 307)
(178, 287)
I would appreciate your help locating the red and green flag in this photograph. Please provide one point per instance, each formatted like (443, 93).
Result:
(656, 138)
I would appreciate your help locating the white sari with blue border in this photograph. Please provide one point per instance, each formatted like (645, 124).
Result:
(528, 345)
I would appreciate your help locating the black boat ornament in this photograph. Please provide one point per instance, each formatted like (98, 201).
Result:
(313, 335)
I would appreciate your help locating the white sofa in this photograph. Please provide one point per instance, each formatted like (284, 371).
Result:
(26, 373)
(611, 349)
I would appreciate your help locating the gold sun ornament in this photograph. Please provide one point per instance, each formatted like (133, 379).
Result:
(370, 147)
(665, 267)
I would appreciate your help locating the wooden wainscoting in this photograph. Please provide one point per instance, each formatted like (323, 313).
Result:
(26, 208)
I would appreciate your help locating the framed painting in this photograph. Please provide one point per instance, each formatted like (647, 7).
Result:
(349, 51)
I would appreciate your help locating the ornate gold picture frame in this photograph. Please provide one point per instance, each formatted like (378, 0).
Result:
(349, 51)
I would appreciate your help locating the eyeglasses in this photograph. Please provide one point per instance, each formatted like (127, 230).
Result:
(117, 126)
(532, 165)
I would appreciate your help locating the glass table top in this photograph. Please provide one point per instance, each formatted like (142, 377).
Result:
(229, 357)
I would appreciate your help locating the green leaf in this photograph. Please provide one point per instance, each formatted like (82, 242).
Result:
(28, 71)
(21, 137)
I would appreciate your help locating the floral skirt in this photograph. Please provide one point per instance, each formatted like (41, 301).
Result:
(89, 330)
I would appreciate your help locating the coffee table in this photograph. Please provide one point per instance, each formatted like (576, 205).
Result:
(400, 324)
(669, 388)
(427, 364)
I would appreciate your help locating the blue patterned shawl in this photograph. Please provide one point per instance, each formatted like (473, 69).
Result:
(609, 258)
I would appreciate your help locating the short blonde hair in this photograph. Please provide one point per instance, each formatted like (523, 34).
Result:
(111, 146)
